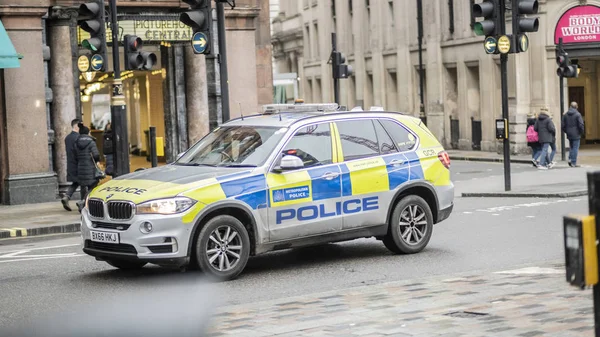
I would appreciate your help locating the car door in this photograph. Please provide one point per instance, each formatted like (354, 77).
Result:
(370, 166)
(304, 202)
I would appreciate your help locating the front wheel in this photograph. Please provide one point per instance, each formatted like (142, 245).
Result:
(411, 226)
(223, 248)
(126, 265)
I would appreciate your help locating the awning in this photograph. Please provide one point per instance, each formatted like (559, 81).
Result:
(8, 55)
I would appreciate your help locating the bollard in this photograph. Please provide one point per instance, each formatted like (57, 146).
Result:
(153, 157)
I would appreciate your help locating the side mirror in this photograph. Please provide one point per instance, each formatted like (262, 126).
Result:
(289, 163)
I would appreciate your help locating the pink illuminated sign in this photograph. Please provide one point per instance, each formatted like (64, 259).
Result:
(579, 24)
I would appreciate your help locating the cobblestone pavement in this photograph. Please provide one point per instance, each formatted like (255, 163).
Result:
(527, 302)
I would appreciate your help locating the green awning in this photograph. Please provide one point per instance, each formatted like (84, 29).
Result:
(8, 55)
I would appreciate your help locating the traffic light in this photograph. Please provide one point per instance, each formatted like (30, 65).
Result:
(566, 67)
(489, 10)
(200, 19)
(135, 58)
(523, 24)
(340, 70)
(91, 20)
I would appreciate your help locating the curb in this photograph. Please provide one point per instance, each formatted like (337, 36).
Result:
(489, 160)
(9, 233)
(571, 194)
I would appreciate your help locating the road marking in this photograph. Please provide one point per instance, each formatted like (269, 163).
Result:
(40, 248)
(42, 258)
(530, 216)
(532, 270)
(467, 212)
(533, 204)
(496, 214)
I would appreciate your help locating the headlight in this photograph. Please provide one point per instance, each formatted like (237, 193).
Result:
(165, 206)
(87, 199)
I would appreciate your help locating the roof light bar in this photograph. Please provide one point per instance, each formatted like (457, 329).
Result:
(270, 109)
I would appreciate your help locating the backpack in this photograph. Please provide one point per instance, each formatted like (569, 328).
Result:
(532, 135)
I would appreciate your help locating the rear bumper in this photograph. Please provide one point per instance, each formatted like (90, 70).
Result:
(444, 214)
(445, 196)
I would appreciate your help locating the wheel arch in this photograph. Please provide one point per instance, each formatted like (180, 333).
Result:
(236, 210)
(421, 188)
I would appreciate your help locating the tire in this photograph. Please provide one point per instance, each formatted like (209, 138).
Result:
(213, 256)
(126, 265)
(409, 209)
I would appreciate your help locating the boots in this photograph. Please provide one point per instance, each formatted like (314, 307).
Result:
(65, 203)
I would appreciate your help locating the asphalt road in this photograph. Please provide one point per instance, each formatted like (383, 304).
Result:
(481, 235)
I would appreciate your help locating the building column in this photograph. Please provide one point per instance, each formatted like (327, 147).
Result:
(435, 70)
(63, 108)
(405, 75)
(196, 96)
(519, 95)
(28, 179)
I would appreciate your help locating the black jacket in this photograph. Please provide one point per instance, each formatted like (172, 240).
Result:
(107, 144)
(71, 159)
(572, 124)
(86, 168)
(545, 129)
(530, 122)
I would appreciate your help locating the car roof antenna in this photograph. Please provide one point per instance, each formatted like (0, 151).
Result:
(241, 113)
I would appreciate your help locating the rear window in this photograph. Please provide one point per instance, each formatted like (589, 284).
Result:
(403, 138)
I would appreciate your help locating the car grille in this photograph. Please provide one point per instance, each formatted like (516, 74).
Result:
(96, 208)
(120, 210)
(115, 226)
(161, 249)
(109, 247)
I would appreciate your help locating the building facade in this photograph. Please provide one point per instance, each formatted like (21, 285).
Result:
(180, 96)
(462, 95)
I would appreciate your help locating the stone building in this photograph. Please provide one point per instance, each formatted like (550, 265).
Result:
(462, 94)
(180, 96)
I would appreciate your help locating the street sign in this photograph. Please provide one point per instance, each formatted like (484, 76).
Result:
(97, 62)
(199, 42)
(490, 44)
(83, 63)
(523, 43)
(504, 44)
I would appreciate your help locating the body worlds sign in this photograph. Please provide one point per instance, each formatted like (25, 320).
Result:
(579, 24)
(148, 30)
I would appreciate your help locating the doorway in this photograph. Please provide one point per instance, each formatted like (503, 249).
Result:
(577, 94)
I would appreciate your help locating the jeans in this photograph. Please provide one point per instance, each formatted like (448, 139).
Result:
(574, 150)
(72, 189)
(536, 151)
(545, 158)
(553, 147)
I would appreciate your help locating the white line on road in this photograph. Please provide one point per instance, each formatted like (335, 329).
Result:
(42, 258)
(14, 255)
(40, 248)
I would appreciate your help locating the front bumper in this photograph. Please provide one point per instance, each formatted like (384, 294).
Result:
(166, 245)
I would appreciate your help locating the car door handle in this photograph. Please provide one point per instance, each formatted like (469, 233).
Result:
(397, 162)
(330, 175)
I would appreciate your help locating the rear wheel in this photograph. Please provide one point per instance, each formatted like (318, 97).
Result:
(411, 226)
(223, 248)
(126, 265)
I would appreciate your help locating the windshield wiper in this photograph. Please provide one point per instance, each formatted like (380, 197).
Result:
(236, 165)
(197, 164)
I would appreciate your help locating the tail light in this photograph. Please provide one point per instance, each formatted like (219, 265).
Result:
(445, 159)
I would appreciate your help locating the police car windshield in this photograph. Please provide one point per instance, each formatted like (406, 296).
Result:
(234, 146)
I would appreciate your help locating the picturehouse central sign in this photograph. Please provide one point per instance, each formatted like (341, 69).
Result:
(579, 24)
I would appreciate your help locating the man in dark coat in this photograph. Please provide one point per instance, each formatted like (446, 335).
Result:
(71, 163)
(546, 132)
(87, 155)
(572, 126)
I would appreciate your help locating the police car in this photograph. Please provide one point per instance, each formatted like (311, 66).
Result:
(294, 175)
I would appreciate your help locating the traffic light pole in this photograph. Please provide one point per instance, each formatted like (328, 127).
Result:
(336, 81)
(504, 80)
(562, 107)
(223, 60)
(118, 109)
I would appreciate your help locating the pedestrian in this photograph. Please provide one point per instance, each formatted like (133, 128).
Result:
(87, 155)
(546, 136)
(71, 163)
(107, 149)
(572, 126)
(533, 140)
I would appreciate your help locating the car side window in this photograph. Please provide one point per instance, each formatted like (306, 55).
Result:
(358, 139)
(312, 144)
(386, 144)
(402, 137)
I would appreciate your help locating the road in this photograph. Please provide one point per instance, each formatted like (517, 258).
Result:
(481, 235)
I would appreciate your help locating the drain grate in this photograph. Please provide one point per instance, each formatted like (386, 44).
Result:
(466, 314)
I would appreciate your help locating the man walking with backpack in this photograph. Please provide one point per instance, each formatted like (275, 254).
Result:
(572, 126)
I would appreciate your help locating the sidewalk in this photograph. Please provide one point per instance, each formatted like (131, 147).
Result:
(38, 219)
(588, 155)
(523, 302)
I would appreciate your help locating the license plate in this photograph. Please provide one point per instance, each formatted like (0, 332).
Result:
(105, 237)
